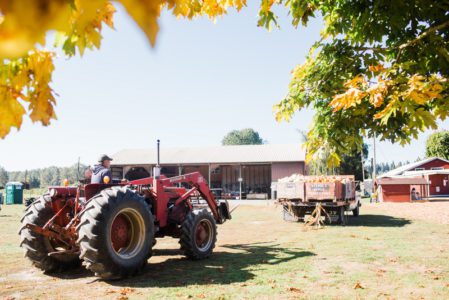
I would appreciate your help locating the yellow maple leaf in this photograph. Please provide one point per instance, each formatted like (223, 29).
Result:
(145, 14)
(25, 23)
(42, 106)
(378, 91)
(11, 111)
(377, 68)
(356, 82)
(350, 98)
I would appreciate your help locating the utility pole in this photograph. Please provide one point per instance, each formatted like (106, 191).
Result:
(363, 173)
(374, 161)
(363, 165)
(240, 182)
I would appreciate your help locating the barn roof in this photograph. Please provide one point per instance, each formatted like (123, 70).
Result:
(410, 167)
(427, 172)
(402, 180)
(218, 154)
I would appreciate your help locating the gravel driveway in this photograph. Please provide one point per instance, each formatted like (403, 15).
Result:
(434, 212)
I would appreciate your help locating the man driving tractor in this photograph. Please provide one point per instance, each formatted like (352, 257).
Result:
(101, 170)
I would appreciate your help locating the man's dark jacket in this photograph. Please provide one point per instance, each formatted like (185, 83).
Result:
(99, 172)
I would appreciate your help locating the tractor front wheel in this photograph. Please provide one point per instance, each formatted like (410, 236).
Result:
(116, 233)
(198, 234)
(37, 246)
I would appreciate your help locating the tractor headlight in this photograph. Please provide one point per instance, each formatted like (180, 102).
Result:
(53, 192)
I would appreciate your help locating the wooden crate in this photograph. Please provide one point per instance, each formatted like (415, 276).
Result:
(349, 190)
(324, 190)
(290, 190)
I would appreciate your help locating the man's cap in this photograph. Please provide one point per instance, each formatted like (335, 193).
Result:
(103, 158)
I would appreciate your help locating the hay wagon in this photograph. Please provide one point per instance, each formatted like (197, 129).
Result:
(300, 196)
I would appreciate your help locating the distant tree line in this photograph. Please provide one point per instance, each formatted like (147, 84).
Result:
(4, 177)
(384, 167)
(38, 178)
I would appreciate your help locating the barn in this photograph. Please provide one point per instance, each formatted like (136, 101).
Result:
(427, 178)
(247, 170)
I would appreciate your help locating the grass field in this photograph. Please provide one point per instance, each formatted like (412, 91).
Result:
(260, 256)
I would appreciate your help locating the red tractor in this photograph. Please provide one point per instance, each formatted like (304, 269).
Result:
(112, 227)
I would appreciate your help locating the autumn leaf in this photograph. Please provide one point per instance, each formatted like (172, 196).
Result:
(26, 80)
(125, 291)
(358, 285)
(26, 73)
(376, 68)
(11, 111)
(356, 82)
(350, 98)
(295, 290)
(145, 14)
(333, 160)
(378, 91)
(25, 23)
(422, 89)
(387, 112)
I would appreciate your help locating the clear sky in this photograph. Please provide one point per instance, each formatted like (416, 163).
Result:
(201, 81)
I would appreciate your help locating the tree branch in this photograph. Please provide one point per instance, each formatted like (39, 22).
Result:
(424, 34)
(380, 49)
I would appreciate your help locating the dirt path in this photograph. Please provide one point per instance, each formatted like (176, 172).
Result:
(434, 212)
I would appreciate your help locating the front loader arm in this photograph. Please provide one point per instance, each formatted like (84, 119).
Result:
(220, 211)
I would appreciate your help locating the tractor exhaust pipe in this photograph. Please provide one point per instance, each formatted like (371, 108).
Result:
(158, 152)
(157, 168)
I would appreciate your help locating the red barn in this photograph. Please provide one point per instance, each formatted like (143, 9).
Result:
(423, 179)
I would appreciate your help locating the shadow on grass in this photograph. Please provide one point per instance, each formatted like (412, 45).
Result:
(220, 268)
(74, 273)
(377, 221)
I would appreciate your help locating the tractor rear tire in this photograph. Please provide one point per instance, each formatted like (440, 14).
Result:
(37, 246)
(198, 234)
(116, 233)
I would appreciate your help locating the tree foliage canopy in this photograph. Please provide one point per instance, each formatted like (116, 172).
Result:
(245, 136)
(437, 145)
(380, 69)
(351, 164)
(26, 67)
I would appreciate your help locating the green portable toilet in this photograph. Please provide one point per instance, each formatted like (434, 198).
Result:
(14, 193)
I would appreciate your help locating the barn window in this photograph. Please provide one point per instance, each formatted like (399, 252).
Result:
(117, 172)
(437, 168)
(137, 173)
(419, 169)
